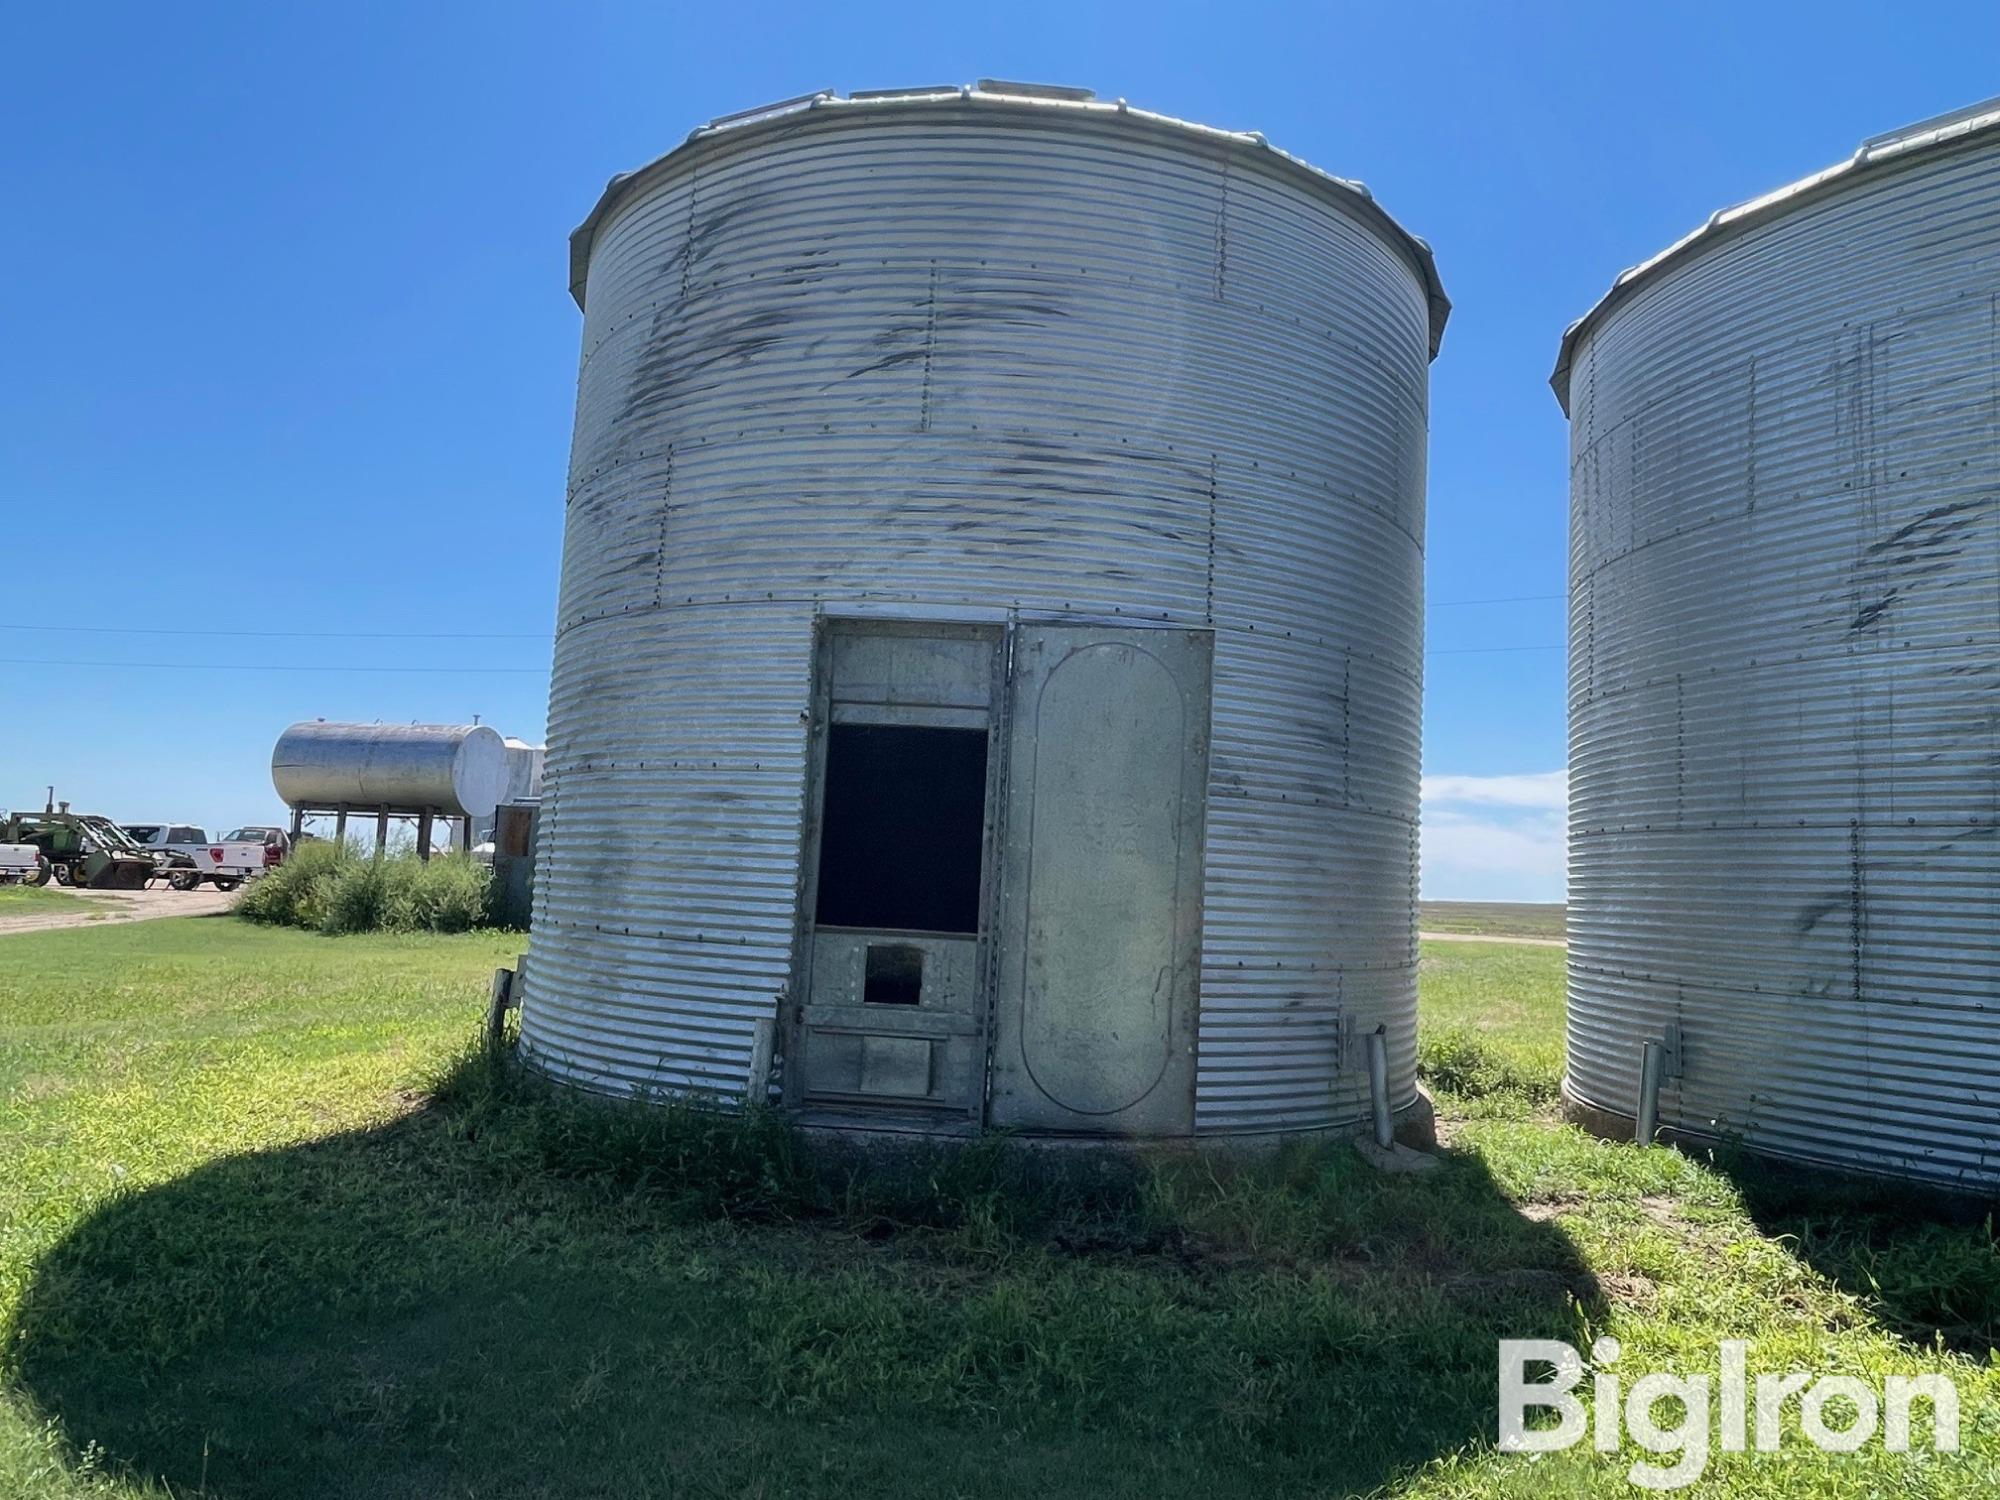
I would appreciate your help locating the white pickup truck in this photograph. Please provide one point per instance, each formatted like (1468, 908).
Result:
(189, 857)
(22, 864)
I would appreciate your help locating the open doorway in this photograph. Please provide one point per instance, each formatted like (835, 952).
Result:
(902, 825)
(899, 872)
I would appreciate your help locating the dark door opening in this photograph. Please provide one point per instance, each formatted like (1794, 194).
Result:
(894, 975)
(902, 828)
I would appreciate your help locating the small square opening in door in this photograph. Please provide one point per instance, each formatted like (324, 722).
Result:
(893, 975)
(902, 828)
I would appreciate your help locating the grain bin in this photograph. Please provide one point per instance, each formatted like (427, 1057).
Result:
(1784, 656)
(988, 662)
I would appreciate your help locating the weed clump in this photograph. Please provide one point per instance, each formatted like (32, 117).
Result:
(756, 1165)
(335, 889)
(1458, 1061)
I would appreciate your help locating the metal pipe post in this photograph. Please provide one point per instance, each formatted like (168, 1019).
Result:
(1652, 1064)
(1378, 1086)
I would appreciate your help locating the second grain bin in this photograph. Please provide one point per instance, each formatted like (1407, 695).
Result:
(1785, 669)
(988, 665)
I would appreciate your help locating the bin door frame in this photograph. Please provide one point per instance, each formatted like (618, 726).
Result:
(925, 1064)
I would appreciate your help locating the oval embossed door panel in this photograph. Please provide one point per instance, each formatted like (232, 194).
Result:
(1106, 784)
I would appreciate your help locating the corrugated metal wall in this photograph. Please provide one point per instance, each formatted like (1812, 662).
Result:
(973, 354)
(1785, 677)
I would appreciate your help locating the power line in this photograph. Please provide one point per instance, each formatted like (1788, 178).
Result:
(493, 635)
(231, 666)
(1510, 599)
(449, 671)
(295, 635)
(1486, 650)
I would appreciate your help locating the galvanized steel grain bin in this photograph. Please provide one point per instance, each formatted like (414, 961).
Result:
(988, 665)
(1785, 668)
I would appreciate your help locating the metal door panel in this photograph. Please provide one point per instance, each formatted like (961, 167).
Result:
(1100, 927)
(848, 1049)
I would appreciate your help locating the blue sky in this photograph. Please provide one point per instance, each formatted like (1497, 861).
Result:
(285, 342)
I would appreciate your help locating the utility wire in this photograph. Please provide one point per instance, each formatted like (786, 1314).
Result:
(1486, 650)
(295, 635)
(487, 635)
(1510, 599)
(232, 666)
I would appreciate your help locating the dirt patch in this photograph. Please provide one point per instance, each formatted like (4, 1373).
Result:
(39, 1086)
(96, 908)
(1629, 1290)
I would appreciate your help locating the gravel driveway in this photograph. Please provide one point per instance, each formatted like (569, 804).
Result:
(97, 908)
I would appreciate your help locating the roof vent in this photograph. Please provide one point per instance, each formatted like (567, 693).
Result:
(1035, 90)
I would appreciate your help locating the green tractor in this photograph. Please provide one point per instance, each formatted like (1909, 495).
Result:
(79, 849)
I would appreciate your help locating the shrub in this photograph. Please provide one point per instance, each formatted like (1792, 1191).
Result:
(450, 894)
(336, 889)
(295, 894)
(357, 900)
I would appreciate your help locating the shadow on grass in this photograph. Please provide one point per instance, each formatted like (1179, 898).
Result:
(507, 1294)
(1925, 1264)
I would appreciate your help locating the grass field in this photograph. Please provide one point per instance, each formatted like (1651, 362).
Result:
(268, 1229)
(23, 899)
(1495, 918)
(1491, 1039)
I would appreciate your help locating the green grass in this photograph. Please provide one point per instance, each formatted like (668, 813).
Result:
(1495, 918)
(268, 1229)
(22, 900)
(1491, 1039)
